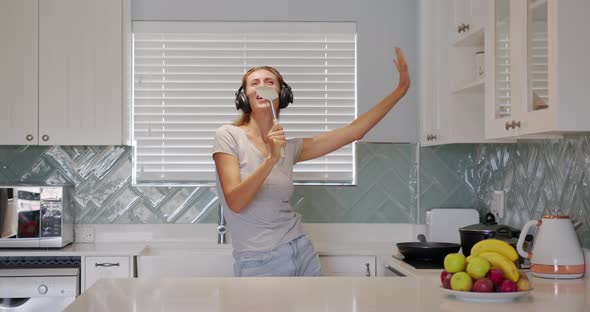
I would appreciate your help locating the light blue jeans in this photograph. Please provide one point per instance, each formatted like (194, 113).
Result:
(295, 258)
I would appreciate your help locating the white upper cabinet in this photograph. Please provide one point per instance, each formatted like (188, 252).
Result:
(467, 16)
(80, 72)
(432, 50)
(78, 96)
(460, 17)
(539, 84)
(18, 71)
(452, 74)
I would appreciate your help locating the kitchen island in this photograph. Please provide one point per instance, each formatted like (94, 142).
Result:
(421, 293)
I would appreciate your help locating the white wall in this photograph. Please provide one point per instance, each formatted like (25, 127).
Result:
(381, 25)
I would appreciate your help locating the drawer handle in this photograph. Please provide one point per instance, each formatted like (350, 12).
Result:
(106, 265)
(508, 125)
(515, 124)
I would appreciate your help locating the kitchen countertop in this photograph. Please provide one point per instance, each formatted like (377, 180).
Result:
(147, 248)
(79, 249)
(147, 239)
(421, 293)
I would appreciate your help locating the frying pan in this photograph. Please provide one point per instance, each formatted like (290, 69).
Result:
(427, 251)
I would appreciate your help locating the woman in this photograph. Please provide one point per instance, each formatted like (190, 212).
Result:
(255, 182)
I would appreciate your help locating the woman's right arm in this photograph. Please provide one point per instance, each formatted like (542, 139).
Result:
(238, 194)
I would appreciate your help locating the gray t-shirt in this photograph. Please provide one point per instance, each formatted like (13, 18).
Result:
(269, 220)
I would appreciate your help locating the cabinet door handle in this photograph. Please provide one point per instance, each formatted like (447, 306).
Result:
(45, 137)
(368, 274)
(515, 124)
(462, 28)
(434, 137)
(508, 125)
(106, 265)
(30, 137)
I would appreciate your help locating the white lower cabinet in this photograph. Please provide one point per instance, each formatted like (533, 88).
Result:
(348, 265)
(183, 265)
(221, 265)
(96, 268)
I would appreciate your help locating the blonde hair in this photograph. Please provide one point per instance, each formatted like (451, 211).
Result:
(245, 117)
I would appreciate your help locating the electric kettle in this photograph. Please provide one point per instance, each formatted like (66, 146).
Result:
(556, 250)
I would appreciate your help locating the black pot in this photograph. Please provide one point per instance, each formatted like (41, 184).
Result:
(472, 234)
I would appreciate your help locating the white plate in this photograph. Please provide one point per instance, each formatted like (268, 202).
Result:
(473, 296)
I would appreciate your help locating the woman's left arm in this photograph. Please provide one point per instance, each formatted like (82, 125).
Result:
(332, 140)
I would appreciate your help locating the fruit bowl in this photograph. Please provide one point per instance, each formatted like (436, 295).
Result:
(471, 296)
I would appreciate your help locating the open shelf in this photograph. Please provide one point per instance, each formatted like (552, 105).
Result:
(471, 39)
(472, 87)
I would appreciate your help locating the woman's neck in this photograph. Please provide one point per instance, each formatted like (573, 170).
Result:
(259, 127)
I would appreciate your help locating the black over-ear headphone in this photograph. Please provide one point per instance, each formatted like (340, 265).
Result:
(285, 98)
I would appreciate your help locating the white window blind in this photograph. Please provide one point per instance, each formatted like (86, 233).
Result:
(186, 74)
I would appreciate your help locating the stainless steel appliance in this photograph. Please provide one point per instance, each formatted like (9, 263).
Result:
(35, 216)
(38, 283)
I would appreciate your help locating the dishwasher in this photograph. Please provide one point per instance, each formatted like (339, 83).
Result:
(44, 284)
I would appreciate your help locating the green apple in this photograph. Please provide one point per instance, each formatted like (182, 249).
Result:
(478, 267)
(454, 262)
(461, 281)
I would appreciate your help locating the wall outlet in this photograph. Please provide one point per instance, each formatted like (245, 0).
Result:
(84, 234)
(498, 205)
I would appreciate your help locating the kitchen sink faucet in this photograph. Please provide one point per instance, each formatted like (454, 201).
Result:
(221, 227)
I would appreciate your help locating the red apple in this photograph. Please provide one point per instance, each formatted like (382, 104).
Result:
(446, 281)
(483, 285)
(443, 275)
(496, 276)
(508, 286)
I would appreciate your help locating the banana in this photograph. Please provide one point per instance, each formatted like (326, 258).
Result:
(495, 245)
(504, 264)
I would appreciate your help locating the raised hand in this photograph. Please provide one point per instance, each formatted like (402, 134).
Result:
(402, 68)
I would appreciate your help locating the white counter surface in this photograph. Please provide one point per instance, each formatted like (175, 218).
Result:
(315, 294)
(147, 248)
(79, 249)
(322, 247)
